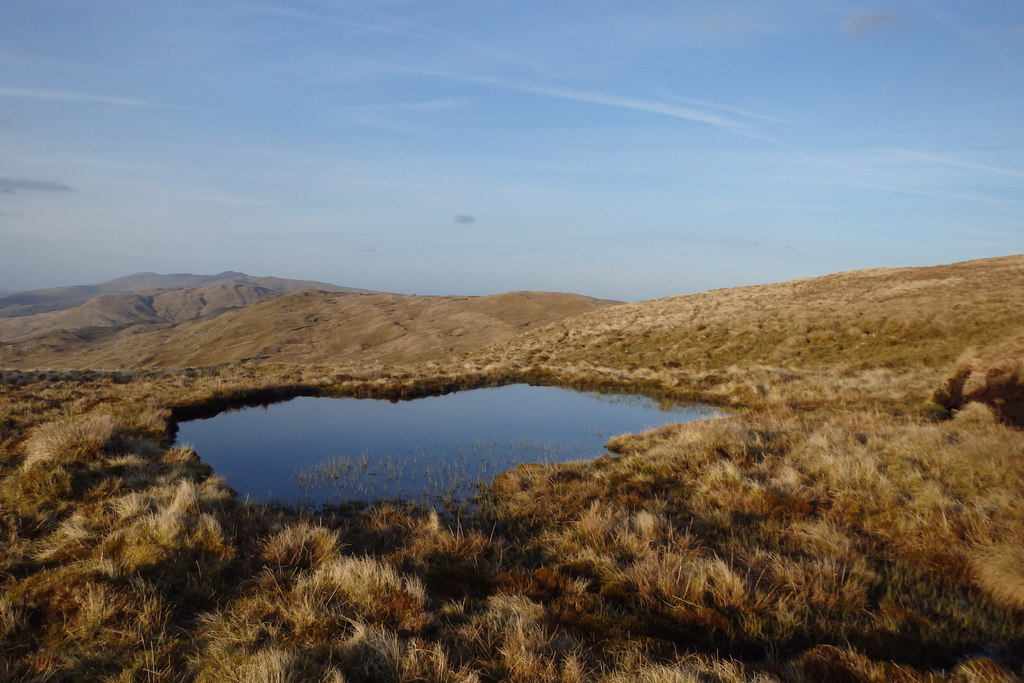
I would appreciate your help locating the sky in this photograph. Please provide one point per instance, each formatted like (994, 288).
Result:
(625, 150)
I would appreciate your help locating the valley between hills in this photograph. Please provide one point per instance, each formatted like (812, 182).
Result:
(858, 514)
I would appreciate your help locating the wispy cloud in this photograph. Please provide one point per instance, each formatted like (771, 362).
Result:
(465, 219)
(736, 110)
(859, 25)
(910, 172)
(610, 100)
(958, 163)
(428, 105)
(389, 26)
(12, 185)
(980, 39)
(75, 96)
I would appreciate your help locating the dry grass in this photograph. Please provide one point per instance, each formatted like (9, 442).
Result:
(69, 440)
(784, 530)
(141, 331)
(301, 546)
(1000, 571)
(830, 528)
(992, 376)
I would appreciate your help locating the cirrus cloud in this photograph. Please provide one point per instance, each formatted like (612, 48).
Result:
(12, 185)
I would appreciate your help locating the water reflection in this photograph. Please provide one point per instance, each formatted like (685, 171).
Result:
(434, 450)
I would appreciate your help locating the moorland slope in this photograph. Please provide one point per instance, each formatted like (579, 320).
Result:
(857, 516)
(858, 329)
(178, 329)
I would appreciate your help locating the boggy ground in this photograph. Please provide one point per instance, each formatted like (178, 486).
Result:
(859, 516)
(845, 542)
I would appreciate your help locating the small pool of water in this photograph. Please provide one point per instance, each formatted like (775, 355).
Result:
(435, 450)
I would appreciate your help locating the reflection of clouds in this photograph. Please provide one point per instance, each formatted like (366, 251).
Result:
(496, 430)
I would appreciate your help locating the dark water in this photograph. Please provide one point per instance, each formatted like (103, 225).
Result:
(430, 450)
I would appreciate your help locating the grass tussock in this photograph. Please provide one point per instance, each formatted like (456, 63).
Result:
(1000, 572)
(69, 440)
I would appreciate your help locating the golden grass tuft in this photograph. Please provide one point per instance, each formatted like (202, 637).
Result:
(69, 440)
(976, 413)
(301, 545)
(268, 665)
(434, 541)
(358, 589)
(999, 570)
(692, 669)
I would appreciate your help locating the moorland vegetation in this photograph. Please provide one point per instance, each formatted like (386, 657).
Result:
(858, 515)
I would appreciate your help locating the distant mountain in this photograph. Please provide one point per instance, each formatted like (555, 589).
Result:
(61, 298)
(194, 328)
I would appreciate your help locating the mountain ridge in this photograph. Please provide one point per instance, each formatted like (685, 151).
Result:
(33, 302)
(143, 331)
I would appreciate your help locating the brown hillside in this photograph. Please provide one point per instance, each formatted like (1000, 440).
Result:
(884, 317)
(310, 326)
(889, 335)
(107, 313)
(34, 302)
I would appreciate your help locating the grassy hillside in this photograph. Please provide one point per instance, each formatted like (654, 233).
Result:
(834, 527)
(888, 334)
(310, 326)
(886, 317)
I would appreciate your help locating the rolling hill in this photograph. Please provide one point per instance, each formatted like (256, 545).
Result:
(883, 317)
(61, 298)
(190, 328)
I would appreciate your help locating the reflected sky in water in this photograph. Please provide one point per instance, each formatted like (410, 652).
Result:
(330, 450)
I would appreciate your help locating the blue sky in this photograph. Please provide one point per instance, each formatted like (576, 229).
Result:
(626, 150)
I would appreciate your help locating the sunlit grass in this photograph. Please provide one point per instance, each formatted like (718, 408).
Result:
(831, 527)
